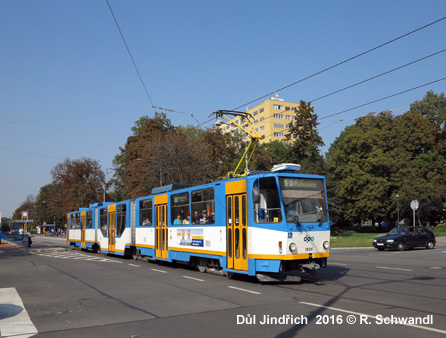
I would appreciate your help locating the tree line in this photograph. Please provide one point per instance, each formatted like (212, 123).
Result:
(372, 161)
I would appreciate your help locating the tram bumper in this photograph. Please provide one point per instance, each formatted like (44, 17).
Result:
(277, 277)
(294, 271)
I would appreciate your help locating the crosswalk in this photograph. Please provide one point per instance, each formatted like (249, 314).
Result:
(76, 256)
(14, 319)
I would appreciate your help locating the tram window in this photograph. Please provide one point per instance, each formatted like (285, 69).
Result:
(304, 199)
(179, 206)
(145, 212)
(236, 212)
(89, 223)
(203, 206)
(75, 221)
(121, 216)
(103, 221)
(267, 203)
(72, 221)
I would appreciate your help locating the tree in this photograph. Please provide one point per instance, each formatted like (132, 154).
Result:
(78, 184)
(223, 151)
(382, 155)
(432, 107)
(305, 139)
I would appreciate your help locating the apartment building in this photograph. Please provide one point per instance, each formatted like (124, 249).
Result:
(270, 119)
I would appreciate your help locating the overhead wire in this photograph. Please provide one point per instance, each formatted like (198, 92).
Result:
(366, 104)
(383, 98)
(377, 76)
(130, 54)
(342, 62)
(71, 116)
(30, 153)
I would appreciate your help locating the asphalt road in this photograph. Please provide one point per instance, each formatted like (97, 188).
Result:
(362, 293)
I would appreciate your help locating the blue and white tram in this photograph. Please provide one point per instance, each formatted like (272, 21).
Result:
(273, 225)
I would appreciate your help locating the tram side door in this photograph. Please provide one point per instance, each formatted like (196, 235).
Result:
(83, 214)
(236, 226)
(111, 227)
(161, 240)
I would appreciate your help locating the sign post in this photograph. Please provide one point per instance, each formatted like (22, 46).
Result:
(414, 205)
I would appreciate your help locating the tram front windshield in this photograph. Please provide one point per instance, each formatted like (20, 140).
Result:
(304, 199)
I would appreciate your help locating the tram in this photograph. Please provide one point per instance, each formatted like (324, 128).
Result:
(273, 225)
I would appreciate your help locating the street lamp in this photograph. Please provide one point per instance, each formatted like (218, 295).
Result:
(398, 209)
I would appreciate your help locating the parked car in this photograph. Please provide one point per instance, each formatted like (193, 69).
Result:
(406, 237)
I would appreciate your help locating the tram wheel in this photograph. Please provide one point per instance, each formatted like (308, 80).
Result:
(202, 265)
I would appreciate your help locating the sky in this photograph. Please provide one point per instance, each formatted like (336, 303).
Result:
(69, 89)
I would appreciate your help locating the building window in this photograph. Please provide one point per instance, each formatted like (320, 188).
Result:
(278, 106)
(262, 128)
(145, 212)
(261, 119)
(294, 109)
(278, 125)
(278, 134)
(263, 136)
(278, 116)
(287, 108)
(255, 113)
(261, 110)
(288, 117)
(256, 121)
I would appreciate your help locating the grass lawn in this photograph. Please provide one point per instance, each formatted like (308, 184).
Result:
(352, 240)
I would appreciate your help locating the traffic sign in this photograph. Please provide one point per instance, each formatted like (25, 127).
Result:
(414, 205)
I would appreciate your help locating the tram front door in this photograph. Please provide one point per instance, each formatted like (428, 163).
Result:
(236, 226)
(161, 242)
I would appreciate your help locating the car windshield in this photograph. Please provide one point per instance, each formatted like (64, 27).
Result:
(398, 231)
(304, 199)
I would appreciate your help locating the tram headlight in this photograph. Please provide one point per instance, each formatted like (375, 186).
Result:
(292, 246)
(326, 245)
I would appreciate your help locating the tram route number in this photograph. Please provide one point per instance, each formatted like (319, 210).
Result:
(309, 249)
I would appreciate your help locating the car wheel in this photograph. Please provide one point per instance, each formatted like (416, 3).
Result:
(430, 245)
(400, 246)
(380, 249)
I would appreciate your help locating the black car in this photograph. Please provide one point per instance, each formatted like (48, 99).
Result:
(405, 237)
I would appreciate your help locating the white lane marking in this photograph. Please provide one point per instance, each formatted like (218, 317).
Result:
(371, 316)
(76, 256)
(136, 266)
(337, 264)
(15, 321)
(158, 270)
(254, 292)
(197, 279)
(384, 267)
